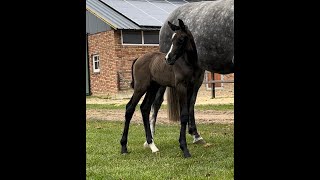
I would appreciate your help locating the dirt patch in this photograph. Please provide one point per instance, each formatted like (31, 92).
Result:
(202, 116)
(223, 96)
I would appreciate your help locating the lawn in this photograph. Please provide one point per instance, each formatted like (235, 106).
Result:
(211, 161)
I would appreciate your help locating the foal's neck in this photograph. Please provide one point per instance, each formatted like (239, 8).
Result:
(192, 55)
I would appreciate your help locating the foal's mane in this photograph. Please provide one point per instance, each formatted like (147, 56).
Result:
(191, 45)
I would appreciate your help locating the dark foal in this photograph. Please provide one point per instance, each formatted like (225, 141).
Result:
(177, 69)
(172, 103)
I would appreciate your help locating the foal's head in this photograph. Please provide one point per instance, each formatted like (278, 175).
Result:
(182, 41)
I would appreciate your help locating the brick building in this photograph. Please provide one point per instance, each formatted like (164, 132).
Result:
(117, 33)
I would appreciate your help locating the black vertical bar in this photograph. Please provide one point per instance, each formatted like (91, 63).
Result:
(87, 66)
(213, 88)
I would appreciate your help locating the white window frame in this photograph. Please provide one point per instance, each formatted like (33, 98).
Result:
(95, 69)
(142, 42)
(206, 79)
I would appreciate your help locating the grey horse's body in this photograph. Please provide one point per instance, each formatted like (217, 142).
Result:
(212, 26)
(211, 23)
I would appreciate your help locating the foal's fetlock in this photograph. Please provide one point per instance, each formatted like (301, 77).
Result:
(197, 139)
(192, 130)
(186, 154)
(124, 150)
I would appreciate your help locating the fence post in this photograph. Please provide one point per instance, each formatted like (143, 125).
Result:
(213, 87)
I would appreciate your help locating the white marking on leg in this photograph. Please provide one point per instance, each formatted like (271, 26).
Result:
(145, 144)
(232, 60)
(152, 146)
(152, 122)
(152, 127)
(196, 139)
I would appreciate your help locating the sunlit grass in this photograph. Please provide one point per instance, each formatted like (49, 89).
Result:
(104, 161)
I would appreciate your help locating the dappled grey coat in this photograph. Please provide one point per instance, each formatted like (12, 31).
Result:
(211, 23)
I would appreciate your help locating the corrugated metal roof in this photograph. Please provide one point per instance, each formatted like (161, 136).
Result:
(109, 16)
(133, 14)
(145, 12)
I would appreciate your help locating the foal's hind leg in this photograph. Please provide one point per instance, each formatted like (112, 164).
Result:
(192, 125)
(155, 108)
(145, 111)
(130, 107)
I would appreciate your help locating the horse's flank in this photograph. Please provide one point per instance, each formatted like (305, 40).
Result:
(152, 67)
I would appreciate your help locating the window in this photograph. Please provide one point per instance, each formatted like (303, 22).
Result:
(132, 37)
(151, 37)
(140, 37)
(96, 63)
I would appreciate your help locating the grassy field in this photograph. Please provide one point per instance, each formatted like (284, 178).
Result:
(211, 161)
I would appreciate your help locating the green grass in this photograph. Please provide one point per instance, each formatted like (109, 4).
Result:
(221, 107)
(107, 106)
(104, 160)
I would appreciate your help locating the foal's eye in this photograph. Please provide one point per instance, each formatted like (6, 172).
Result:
(180, 40)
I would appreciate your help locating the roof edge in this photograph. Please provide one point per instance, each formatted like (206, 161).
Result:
(119, 13)
(104, 20)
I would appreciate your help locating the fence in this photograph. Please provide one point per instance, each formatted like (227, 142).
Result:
(213, 91)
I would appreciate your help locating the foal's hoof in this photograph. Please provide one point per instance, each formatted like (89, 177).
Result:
(145, 145)
(124, 151)
(199, 140)
(152, 146)
(187, 155)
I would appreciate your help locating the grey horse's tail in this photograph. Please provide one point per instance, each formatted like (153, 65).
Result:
(132, 82)
(173, 104)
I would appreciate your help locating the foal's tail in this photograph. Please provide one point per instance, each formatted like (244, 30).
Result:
(173, 104)
(132, 82)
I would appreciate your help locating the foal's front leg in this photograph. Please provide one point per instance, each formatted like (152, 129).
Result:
(184, 118)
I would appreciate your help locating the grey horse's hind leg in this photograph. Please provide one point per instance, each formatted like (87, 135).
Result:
(155, 108)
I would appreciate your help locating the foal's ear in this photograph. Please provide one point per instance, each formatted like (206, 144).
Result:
(182, 26)
(173, 27)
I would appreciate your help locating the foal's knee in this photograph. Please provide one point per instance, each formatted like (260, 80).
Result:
(129, 112)
(184, 118)
(144, 110)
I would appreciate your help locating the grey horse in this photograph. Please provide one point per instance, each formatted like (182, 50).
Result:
(212, 25)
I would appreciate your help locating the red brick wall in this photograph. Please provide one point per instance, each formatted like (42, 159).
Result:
(115, 61)
(104, 82)
(124, 55)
